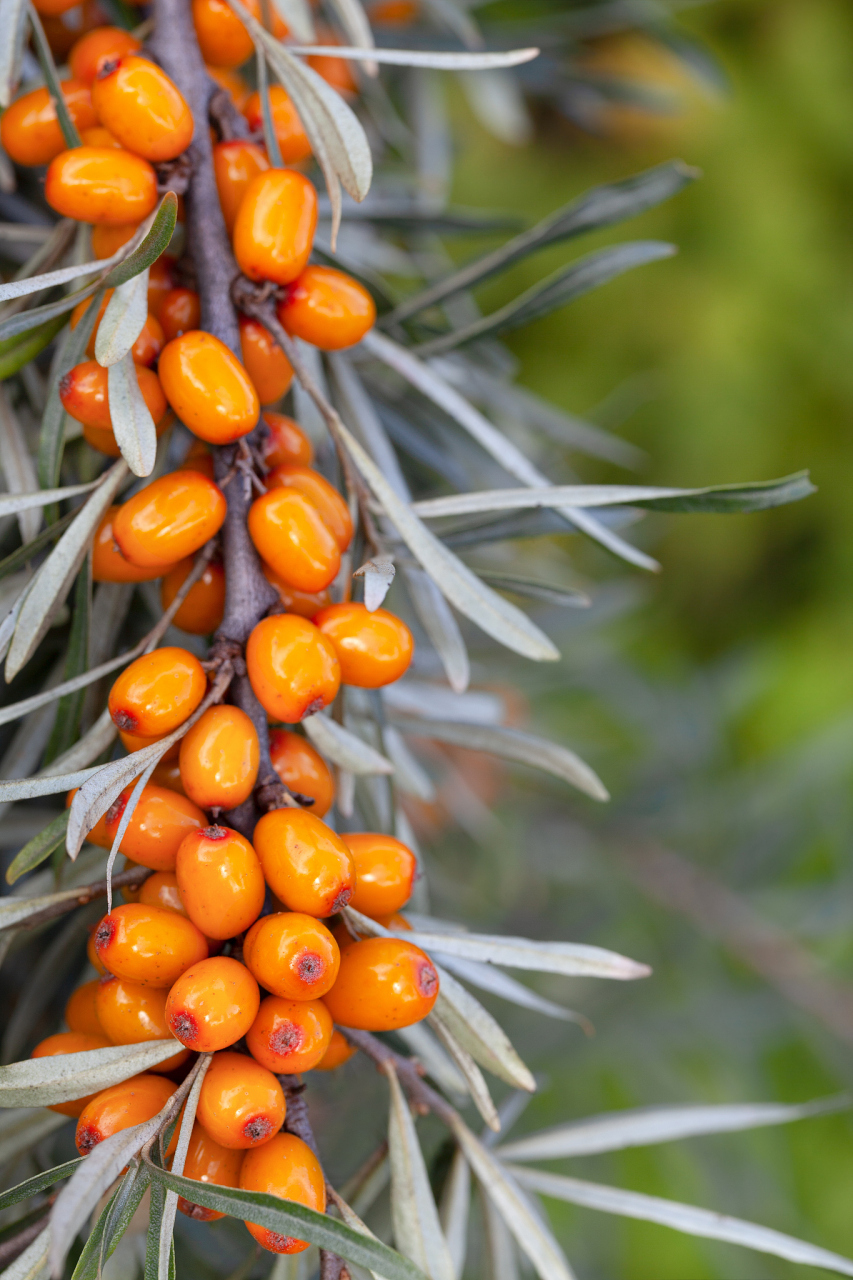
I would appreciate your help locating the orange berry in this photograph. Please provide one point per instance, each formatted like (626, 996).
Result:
(373, 649)
(83, 392)
(284, 441)
(222, 38)
(160, 282)
(169, 519)
(221, 881)
(292, 955)
(288, 1168)
(233, 84)
(168, 776)
(219, 758)
(161, 890)
(106, 239)
(121, 1107)
(202, 610)
(208, 388)
(143, 108)
(337, 72)
(108, 564)
(131, 1013)
(92, 955)
(99, 184)
(81, 1015)
(265, 362)
(385, 870)
(306, 604)
(99, 137)
(157, 692)
(290, 535)
(208, 1161)
(51, 8)
(339, 1051)
(138, 741)
(241, 1104)
(334, 512)
(327, 308)
(160, 821)
(306, 864)
(98, 834)
(302, 769)
(70, 1042)
(275, 226)
(148, 945)
(103, 44)
(393, 13)
(29, 129)
(180, 311)
(290, 1035)
(383, 984)
(292, 138)
(130, 892)
(292, 667)
(199, 458)
(213, 1004)
(235, 163)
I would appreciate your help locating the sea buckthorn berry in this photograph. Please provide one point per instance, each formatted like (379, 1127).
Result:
(81, 1014)
(327, 308)
(202, 610)
(98, 834)
(83, 392)
(130, 892)
(306, 864)
(143, 108)
(292, 667)
(108, 564)
(161, 279)
(339, 1051)
(219, 759)
(138, 742)
(292, 955)
(235, 164)
(92, 955)
(208, 388)
(131, 1013)
(180, 311)
(122, 1106)
(160, 821)
(148, 945)
(385, 870)
(157, 692)
(169, 519)
(100, 137)
(287, 1168)
(52, 8)
(199, 458)
(265, 362)
(290, 1035)
(287, 127)
(302, 769)
(168, 776)
(70, 1042)
(161, 890)
(373, 649)
(285, 441)
(289, 534)
(222, 37)
(334, 512)
(105, 239)
(233, 84)
(99, 184)
(393, 13)
(221, 881)
(103, 44)
(383, 984)
(337, 72)
(275, 226)
(29, 129)
(306, 604)
(241, 1104)
(213, 1004)
(208, 1161)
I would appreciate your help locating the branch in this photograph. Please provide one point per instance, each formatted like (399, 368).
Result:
(298, 1122)
(422, 1097)
(86, 893)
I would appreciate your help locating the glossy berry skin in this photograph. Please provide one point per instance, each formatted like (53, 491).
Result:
(285, 441)
(374, 649)
(138, 742)
(157, 692)
(289, 534)
(275, 226)
(160, 822)
(81, 1013)
(161, 279)
(241, 1104)
(334, 512)
(143, 108)
(290, 1036)
(120, 1107)
(264, 360)
(199, 458)
(103, 44)
(213, 1004)
(288, 1168)
(302, 769)
(180, 311)
(222, 37)
(169, 519)
(293, 668)
(70, 1042)
(29, 129)
(91, 953)
(208, 388)
(235, 164)
(202, 610)
(233, 84)
(108, 564)
(168, 776)
(221, 881)
(385, 870)
(99, 137)
(131, 1013)
(327, 308)
(306, 604)
(383, 984)
(148, 945)
(292, 955)
(161, 890)
(338, 1052)
(83, 392)
(107, 239)
(292, 138)
(101, 185)
(207, 1161)
(306, 864)
(219, 758)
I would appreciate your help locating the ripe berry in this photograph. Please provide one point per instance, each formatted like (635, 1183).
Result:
(207, 1161)
(92, 955)
(99, 184)
(139, 741)
(169, 519)
(106, 239)
(334, 512)
(289, 534)
(148, 945)
(208, 388)
(287, 127)
(202, 610)
(180, 311)
(222, 38)
(290, 1035)
(83, 392)
(266, 363)
(102, 44)
(122, 1106)
(131, 1013)
(221, 881)
(29, 129)
(292, 955)
(302, 769)
(284, 441)
(385, 870)
(143, 108)
(275, 226)
(373, 649)
(213, 1004)
(383, 984)
(158, 691)
(168, 776)
(70, 1042)
(235, 164)
(306, 864)
(108, 564)
(327, 308)
(288, 1168)
(160, 821)
(337, 72)
(81, 1013)
(293, 668)
(160, 282)
(219, 758)
(306, 604)
(241, 1104)
(339, 1051)
(232, 82)
(161, 890)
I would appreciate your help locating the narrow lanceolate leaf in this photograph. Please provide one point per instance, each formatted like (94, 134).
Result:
(30, 1265)
(30, 788)
(101, 787)
(133, 426)
(478, 1032)
(498, 983)
(572, 959)
(344, 748)
(17, 464)
(438, 59)
(352, 1220)
(13, 20)
(425, 1047)
(417, 1230)
(616, 1130)
(41, 1082)
(562, 597)
(114, 1222)
(24, 349)
(436, 617)
(122, 322)
(37, 850)
(20, 1130)
(11, 504)
(153, 243)
(49, 280)
(682, 1217)
(17, 559)
(14, 909)
(354, 21)
(45, 57)
(93, 744)
(297, 14)
(170, 1206)
(52, 435)
(49, 1178)
(511, 744)
(474, 1078)
(455, 1209)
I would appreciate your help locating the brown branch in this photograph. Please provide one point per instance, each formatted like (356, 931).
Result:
(13, 1247)
(298, 1122)
(86, 893)
(422, 1097)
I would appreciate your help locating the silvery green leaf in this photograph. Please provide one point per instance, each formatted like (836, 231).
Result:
(13, 22)
(344, 748)
(354, 21)
(12, 503)
(133, 425)
(122, 321)
(455, 1208)
(44, 53)
(126, 815)
(32, 1263)
(104, 785)
(45, 1081)
(37, 850)
(417, 1230)
(16, 462)
(297, 14)
(473, 1076)
(497, 100)
(572, 959)
(436, 1062)
(425, 698)
(562, 597)
(22, 1128)
(378, 575)
(351, 1219)
(30, 788)
(500, 1246)
(478, 1032)
(170, 1206)
(498, 983)
(139, 253)
(511, 744)
(34, 284)
(409, 774)
(681, 1217)
(93, 743)
(615, 1130)
(40, 1181)
(439, 60)
(436, 618)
